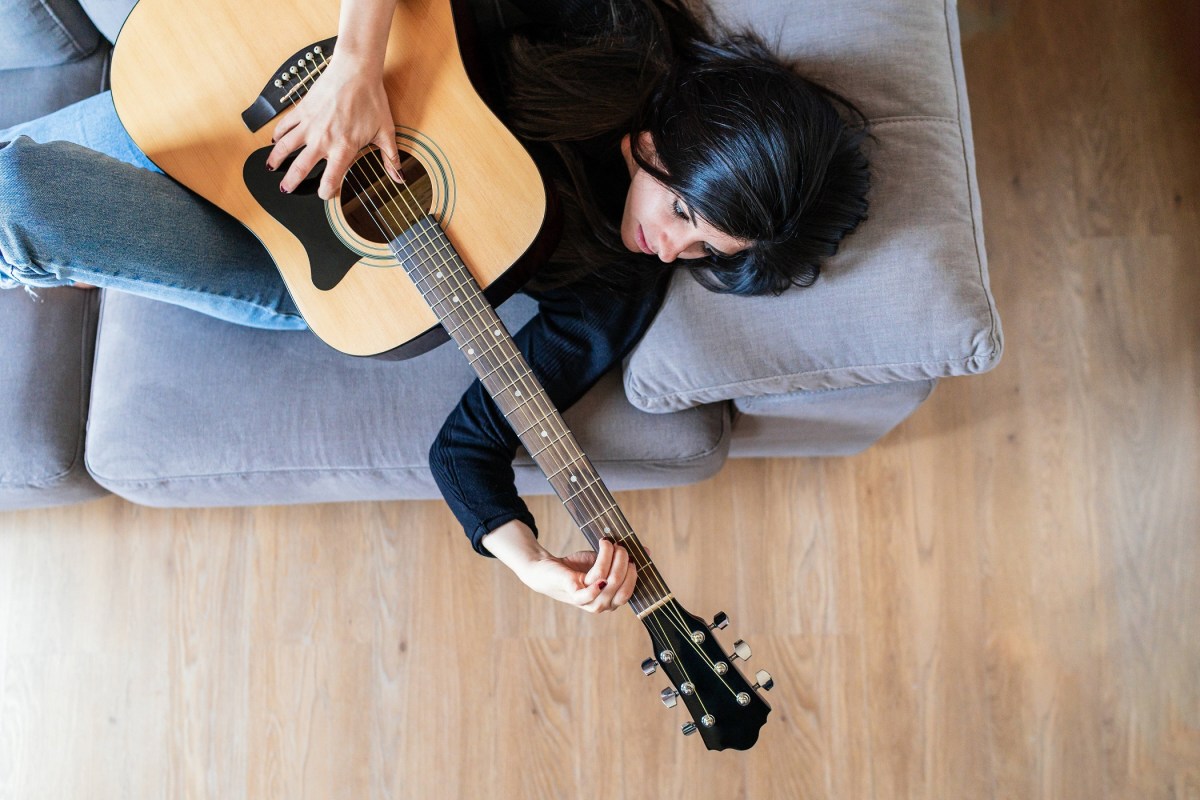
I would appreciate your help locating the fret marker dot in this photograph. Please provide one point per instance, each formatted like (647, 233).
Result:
(440, 275)
(607, 529)
(471, 352)
(497, 331)
(517, 393)
(544, 434)
(574, 479)
(456, 298)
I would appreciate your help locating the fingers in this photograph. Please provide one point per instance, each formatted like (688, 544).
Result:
(304, 163)
(386, 142)
(618, 583)
(622, 595)
(614, 581)
(604, 559)
(335, 172)
(285, 145)
(285, 126)
(338, 162)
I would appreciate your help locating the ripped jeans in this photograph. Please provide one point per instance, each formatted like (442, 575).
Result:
(80, 203)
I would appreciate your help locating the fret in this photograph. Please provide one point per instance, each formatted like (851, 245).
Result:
(564, 467)
(451, 291)
(547, 417)
(479, 354)
(516, 356)
(549, 443)
(583, 486)
(607, 528)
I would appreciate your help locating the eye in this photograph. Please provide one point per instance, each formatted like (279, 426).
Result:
(679, 212)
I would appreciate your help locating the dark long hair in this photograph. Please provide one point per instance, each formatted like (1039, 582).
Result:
(752, 147)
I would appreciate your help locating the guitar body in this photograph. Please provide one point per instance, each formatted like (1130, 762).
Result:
(184, 75)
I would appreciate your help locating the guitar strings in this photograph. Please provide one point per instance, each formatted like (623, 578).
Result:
(679, 623)
(535, 403)
(537, 398)
(671, 608)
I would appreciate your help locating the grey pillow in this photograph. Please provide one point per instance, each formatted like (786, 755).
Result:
(906, 298)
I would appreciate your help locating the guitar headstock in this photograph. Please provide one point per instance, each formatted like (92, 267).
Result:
(726, 709)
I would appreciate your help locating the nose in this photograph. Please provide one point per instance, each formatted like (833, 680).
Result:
(669, 248)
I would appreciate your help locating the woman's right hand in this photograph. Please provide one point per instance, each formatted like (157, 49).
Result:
(595, 581)
(346, 108)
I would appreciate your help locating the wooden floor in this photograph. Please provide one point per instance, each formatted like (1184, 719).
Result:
(1000, 600)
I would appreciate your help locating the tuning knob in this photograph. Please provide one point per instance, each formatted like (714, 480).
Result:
(720, 621)
(765, 681)
(668, 697)
(649, 666)
(688, 728)
(740, 650)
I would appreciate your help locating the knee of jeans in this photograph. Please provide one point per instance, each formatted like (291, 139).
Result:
(20, 208)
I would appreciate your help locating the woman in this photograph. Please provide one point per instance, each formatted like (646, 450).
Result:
(668, 145)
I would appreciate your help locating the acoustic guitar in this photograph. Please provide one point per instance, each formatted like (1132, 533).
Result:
(385, 264)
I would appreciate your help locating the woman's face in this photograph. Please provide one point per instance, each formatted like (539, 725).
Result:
(658, 222)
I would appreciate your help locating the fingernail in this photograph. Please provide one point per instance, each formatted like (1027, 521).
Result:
(603, 584)
(270, 168)
(285, 191)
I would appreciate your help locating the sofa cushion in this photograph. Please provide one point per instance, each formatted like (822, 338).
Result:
(907, 297)
(191, 411)
(39, 33)
(27, 94)
(45, 377)
(108, 15)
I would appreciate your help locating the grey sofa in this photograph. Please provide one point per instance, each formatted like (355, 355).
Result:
(166, 407)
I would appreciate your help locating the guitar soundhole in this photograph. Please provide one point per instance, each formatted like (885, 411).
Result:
(376, 207)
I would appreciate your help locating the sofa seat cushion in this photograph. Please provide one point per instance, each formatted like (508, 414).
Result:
(27, 94)
(45, 377)
(907, 297)
(191, 411)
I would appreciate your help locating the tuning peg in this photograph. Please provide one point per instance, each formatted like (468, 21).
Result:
(721, 621)
(668, 697)
(649, 666)
(688, 728)
(740, 650)
(765, 681)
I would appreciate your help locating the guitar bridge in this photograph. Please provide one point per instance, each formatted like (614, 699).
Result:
(291, 81)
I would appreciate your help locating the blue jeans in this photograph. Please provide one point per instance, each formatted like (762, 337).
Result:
(80, 203)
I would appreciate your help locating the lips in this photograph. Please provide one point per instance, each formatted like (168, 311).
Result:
(641, 241)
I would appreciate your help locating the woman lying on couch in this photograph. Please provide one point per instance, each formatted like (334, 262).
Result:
(668, 144)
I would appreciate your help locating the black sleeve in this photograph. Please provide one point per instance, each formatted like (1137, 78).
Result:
(580, 332)
(562, 16)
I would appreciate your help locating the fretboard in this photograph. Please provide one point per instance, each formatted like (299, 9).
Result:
(456, 298)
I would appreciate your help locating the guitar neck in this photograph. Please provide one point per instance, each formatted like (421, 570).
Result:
(456, 298)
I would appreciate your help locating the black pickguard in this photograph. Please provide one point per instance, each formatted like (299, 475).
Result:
(303, 213)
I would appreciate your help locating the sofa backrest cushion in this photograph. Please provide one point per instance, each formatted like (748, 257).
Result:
(907, 297)
(40, 33)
